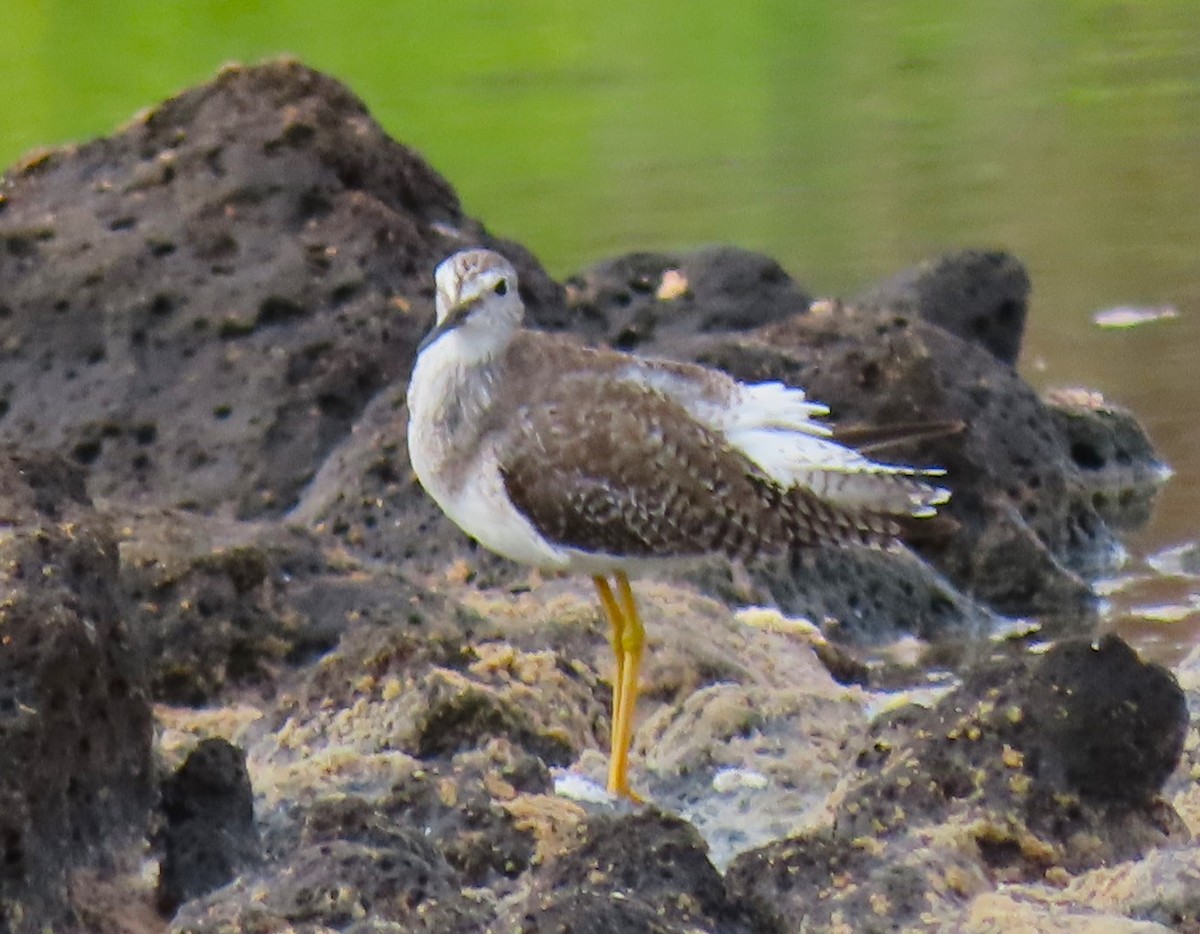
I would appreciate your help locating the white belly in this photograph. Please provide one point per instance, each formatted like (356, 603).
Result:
(483, 510)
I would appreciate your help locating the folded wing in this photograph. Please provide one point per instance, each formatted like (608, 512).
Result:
(622, 467)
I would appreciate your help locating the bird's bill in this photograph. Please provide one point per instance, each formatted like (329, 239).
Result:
(457, 315)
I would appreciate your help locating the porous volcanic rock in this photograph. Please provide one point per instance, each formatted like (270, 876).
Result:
(75, 728)
(645, 872)
(650, 302)
(199, 306)
(222, 604)
(981, 296)
(1032, 769)
(209, 834)
(1117, 465)
(1028, 533)
(342, 886)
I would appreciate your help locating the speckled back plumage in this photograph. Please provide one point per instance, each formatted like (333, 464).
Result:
(614, 466)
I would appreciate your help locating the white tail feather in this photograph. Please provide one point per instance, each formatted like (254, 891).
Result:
(774, 405)
(772, 425)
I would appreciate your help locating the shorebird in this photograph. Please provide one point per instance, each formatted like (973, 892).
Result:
(577, 459)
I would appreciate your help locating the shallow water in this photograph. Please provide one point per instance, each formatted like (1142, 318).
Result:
(845, 139)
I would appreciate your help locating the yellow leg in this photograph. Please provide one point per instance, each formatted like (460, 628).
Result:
(633, 638)
(616, 625)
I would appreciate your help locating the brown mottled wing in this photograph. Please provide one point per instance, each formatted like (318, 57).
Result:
(618, 468)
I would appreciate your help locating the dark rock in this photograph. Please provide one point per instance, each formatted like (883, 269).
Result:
(644, 301)
(865, 597)
(1015, 572)
(75, 725)
(1032, 764)
(656, 855)
(470, 827)
(1116, 461)
(1066, 742)
(1026, 528)
(201, 304)
(1103, 724)
(209, 835)
(221, 603)
(586, 911)
(876, 888)
(979, 296)
(341, 885)
(654, 861)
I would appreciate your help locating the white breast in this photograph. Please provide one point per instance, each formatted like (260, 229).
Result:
(470, 492)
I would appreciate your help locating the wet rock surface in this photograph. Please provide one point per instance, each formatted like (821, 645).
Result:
(1033, 770)
(369, 724)
(1116, 462)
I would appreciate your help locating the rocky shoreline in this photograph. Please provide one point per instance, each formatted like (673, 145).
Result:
(251, 679)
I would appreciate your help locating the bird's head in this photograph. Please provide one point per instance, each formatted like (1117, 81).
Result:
(478, 305)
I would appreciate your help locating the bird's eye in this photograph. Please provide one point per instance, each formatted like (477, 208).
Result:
(501, 287)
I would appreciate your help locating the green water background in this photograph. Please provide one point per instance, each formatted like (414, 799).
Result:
(846, 139)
